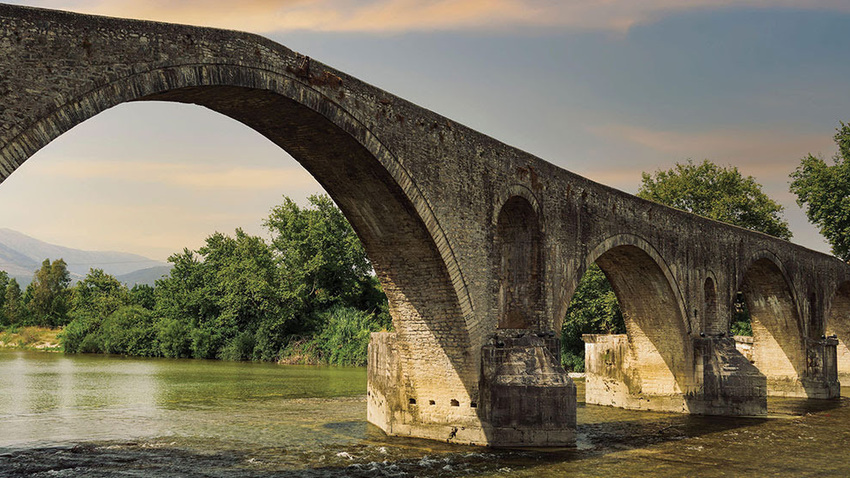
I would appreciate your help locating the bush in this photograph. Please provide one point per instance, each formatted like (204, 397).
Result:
(240, 347)
(174, 338)
(205, 343)
(74, 335)
(130, 330)
(572, 362)
(345, 337)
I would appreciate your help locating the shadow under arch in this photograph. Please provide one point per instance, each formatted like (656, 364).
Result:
(402, 237)
(654, 313)
(519, 264)
(838, 324)
(779, 348)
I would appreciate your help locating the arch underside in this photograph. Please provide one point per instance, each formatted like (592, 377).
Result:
(838, 324)
(779, 348)
(658, 338)
(352, 166)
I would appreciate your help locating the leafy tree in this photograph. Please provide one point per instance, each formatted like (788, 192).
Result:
(93, 300)
(13, 305)
(593, 309)
(130, 330)
(188, 293)
(174, 338)
(321, 259)
(718, 193)
(4, 282)
(143, 295)
(48, 294)
(98, 295)
(244, 281)
(824, 191)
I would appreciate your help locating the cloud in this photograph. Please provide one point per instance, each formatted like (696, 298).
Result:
(266, 16)
(764, 153)
(183, 175)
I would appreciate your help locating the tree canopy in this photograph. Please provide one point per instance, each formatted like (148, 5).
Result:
(716, 192)
(309, 293)
(47, 296)
(824, 191)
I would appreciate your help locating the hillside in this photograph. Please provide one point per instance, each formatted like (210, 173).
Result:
(145, 276)
(21, 255)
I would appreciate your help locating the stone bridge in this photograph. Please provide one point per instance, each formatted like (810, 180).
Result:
(479, 246)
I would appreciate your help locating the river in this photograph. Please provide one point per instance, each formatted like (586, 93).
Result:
(114, 416)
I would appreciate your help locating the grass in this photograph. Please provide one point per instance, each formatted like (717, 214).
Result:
(30, 338)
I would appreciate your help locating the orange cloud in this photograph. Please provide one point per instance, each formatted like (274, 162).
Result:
(265, 16)
(184, 175)
(763, 153)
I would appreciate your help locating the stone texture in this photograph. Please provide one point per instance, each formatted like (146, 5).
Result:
(447, 215)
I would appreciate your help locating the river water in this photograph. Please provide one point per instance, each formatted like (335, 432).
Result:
(113, 416)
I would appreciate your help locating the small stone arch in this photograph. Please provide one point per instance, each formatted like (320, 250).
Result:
(519, 264)
(657, 326)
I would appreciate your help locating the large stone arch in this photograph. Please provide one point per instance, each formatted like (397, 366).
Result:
(410, 253)
(779, 347)
(660, 346)
(838, 324)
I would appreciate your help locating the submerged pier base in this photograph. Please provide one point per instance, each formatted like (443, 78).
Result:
(725, 382)
(526, 397)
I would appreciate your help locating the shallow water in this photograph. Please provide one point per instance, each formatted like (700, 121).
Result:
(112, 416)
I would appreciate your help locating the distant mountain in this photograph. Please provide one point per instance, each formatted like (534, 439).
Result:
(145, 276)
(22, 255)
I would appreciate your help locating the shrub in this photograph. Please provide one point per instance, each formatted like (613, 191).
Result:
(130, 330)
(75, 333)
(345, 337)
(572, 362)
(174, 338)
(205, 343)
(240, 347)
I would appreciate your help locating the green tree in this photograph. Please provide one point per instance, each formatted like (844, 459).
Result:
(322, 262)
(4, 282)
(93, 299)
(244, 281)
(98, 295)
(594, 309)
(13, 305)
(187, 294)
(130, 330)
(824, 191)
(49, 296)
(143, 295)
(715, 192)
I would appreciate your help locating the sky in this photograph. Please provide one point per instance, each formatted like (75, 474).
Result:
(606, 89)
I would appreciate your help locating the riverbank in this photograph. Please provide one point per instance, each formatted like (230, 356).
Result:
(30, 338)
